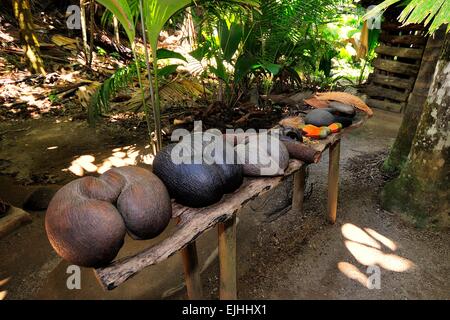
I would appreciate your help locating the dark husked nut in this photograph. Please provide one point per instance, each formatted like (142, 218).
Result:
(198, 185)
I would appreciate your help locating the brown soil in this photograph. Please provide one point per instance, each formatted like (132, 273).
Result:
(280, 256)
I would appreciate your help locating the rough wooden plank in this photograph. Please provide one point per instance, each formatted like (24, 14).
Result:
(192, 272)
(392, 81)
(227, 259)
(376, 91)
(14, 218)
(193, 222)
(323, 144)
(411, 53)
(406, 39)
(333, 180)
(396, 67)
(386, 105)
(393, 26)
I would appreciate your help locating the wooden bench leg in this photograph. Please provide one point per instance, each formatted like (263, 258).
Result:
(192, 272)
(299, 190)
(227, 259)
(333, 180)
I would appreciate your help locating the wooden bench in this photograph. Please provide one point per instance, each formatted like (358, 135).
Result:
(193, 222)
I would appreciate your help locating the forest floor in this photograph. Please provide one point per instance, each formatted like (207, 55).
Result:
(280, 256)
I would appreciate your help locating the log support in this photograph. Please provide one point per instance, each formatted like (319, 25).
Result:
(14, 218)
(333, 180)
(192, 272)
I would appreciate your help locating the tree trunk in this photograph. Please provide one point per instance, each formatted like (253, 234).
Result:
(84, 29)
(188, 29)
(91, 31)
(116, 30)
(22, 12)
(422, 189)
(400, 150)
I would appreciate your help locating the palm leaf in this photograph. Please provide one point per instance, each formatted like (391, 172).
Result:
(379, 9)
(435, 12)
(230, 38)
(168, 54)
(431, 13)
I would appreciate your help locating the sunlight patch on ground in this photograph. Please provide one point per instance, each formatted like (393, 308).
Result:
(353, 233)
(370, 256)
(6, 37)
(366, 246)
(386, 241)
(3, 293)
(120, 157)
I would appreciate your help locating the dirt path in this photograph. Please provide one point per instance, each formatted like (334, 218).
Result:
(296, 256)
(331, 262)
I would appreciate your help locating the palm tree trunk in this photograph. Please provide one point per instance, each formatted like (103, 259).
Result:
(91, 31)
(400, 150)
(116, 30)
(189, 29)
(422, 189)
(84, 28)
(22, 12)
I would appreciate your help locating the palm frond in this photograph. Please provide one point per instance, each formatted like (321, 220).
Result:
(432, 14)
(100, 100)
